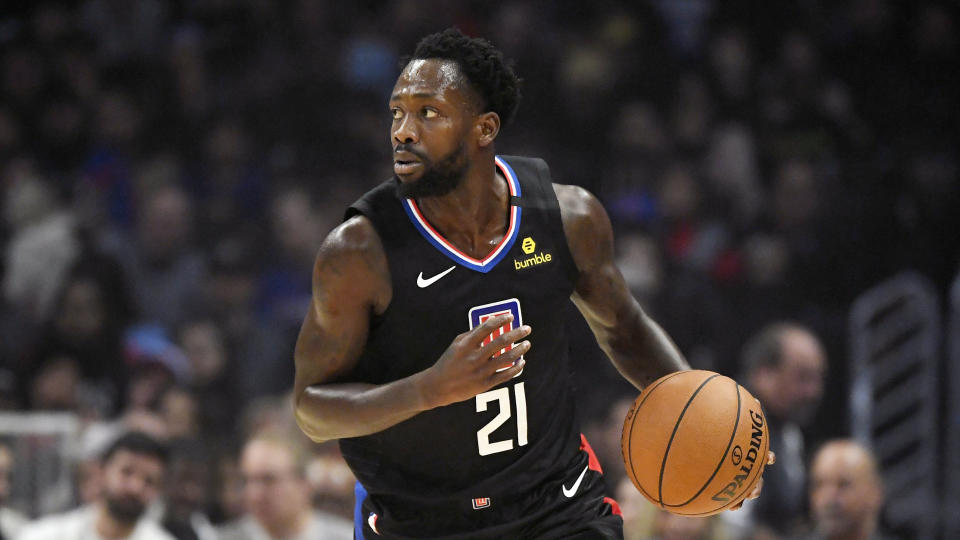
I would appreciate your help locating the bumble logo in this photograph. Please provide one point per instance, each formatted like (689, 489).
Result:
(529, 246)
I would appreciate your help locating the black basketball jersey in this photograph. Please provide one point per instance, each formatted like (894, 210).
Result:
(475, 457)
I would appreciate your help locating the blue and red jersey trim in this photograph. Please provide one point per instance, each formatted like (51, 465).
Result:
(499, 252)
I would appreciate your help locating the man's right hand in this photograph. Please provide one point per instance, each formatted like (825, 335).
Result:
(468, 368)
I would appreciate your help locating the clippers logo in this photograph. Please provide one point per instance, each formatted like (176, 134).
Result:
(528, 245)
(480, 314)
(481, 503)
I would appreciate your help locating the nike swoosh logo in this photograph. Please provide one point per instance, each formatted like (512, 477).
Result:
(430, 281)
(573, 489)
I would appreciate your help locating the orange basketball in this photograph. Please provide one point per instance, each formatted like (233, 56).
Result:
(695, 442)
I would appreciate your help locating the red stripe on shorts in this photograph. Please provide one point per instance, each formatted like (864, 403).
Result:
(593, 461)
(614, 507)
(594, 465)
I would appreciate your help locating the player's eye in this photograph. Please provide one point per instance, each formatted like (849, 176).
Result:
(430, 113)
(396, 113)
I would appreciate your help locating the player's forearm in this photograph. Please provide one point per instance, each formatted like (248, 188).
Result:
(337, 411)
(640, 349)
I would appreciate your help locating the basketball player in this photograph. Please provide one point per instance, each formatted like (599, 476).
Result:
(435, 347)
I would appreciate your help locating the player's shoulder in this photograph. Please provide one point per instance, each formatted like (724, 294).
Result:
(533, 161)
(353, 256)
(354, 238)
(578, 205)
(585, 224)
(526, 166)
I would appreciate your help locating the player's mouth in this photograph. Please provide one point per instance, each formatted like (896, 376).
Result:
(405, 163)
(403, 168)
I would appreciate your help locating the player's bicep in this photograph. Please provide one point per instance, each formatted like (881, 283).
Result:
(349, 286)
(600, 292)
(602, 296)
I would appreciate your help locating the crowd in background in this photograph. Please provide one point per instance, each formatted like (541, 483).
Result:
(168, 170)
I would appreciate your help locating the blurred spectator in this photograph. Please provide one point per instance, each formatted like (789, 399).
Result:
(149, 381)
(230, 188)
(126, 29)
(692, 111)
(331, 481)
(783, 366)
(228, 503)
(604, 436)
(638, 143)
(166, 272)
(43, 246)
(733, 171)
(637, 511)
(263, 353)
(285, 284)
(84, 333)
(643, 520)
(277, 496)
(8, 388)
(211, 375)
(187, 492)
(56, 387)
(731, 65)
(106, 185)
(11, 134)
(88, 481)
(181, 412)
(667, 526)
(698, 256)
(846, 493)
(640, 261)
(11, 521)
(133, 471)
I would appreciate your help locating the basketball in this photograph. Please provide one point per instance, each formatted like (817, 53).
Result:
(695, 442)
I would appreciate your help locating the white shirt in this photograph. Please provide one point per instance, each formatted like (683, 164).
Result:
(11, 522)
(79, 525)
(322, 526)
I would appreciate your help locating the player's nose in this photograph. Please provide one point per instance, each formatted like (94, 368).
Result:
(405, 131)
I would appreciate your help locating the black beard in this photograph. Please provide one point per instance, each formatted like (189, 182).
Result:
(124, 510)
(439, 178)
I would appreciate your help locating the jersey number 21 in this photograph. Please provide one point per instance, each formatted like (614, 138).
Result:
(477, 315)
(502, 396)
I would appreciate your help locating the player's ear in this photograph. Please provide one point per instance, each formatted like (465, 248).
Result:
(488, 127)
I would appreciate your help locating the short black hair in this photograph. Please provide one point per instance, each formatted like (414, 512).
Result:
(137, 443)
(765, 348)
(481, 63)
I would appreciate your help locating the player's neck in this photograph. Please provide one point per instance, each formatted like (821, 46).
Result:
(474, 216)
